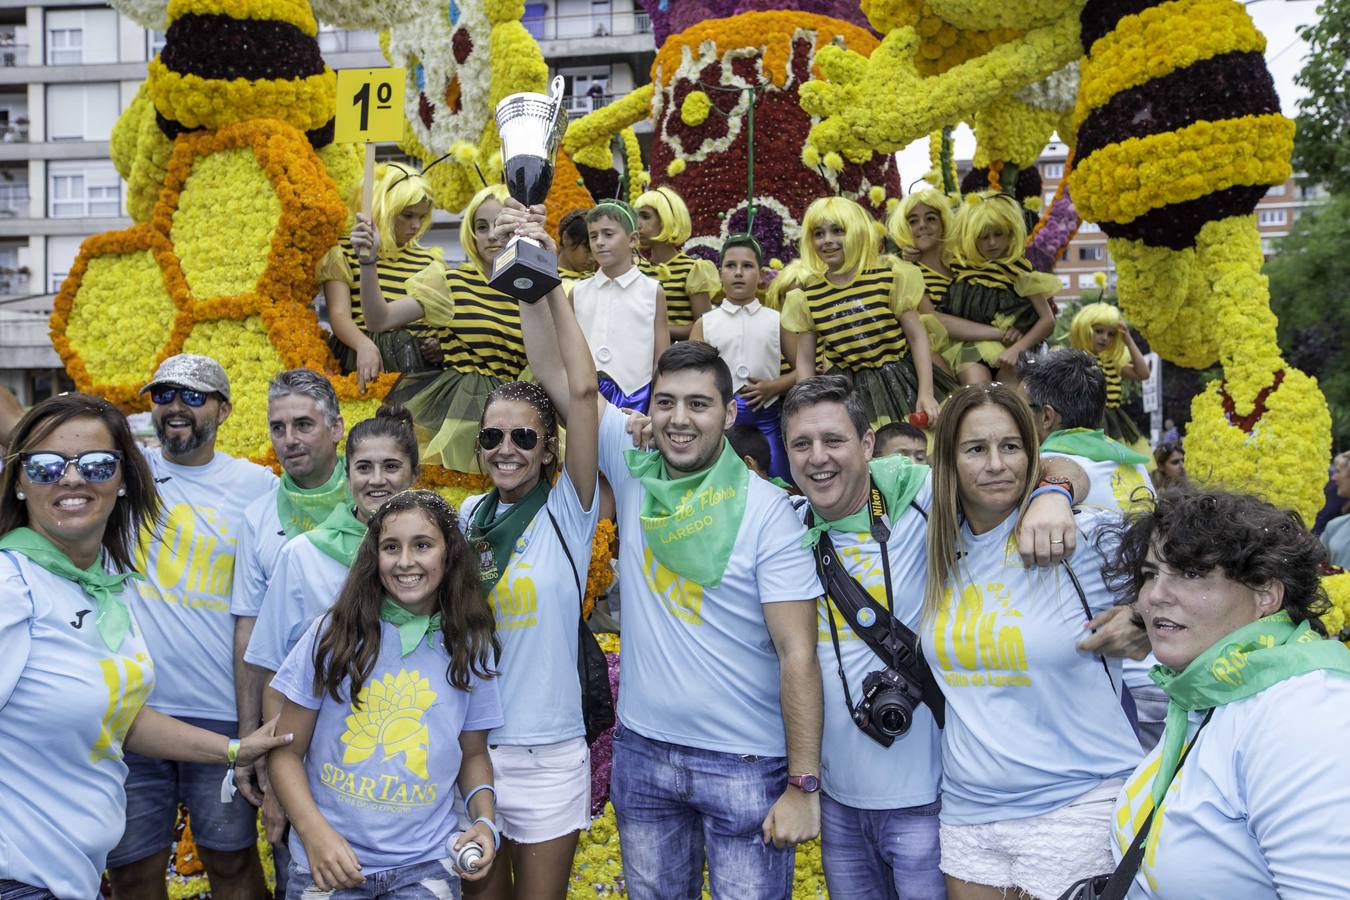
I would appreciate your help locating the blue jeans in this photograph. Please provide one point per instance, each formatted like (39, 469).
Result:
(871, 854)
(17, 890)
(675, 804)
(156, 786)
(434, 880)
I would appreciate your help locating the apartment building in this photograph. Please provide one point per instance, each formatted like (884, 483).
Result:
(69, 68)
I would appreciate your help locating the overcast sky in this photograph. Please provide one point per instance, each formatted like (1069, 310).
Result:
(1277, 19)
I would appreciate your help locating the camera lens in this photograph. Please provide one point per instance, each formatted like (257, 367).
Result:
(891, 715)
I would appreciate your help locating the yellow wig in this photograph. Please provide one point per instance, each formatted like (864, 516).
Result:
(991, 209)
(676, 226)
(496, 192)
(793, 275)
(1104, 315)
(897, 225)
(860, 244)
(396, 189)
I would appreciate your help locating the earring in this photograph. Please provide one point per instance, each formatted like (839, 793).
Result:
(121, 492)
(21, 496)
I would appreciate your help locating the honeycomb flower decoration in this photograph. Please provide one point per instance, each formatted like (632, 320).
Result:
(224, 267)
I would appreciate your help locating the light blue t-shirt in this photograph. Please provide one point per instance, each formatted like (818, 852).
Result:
(304, 586)
(1258, 809)
(66, 703)
(1032, 722)
(384, 775)
(536, 604)
(184, 603)
(854, 769)
(699, 666)
(259, 548)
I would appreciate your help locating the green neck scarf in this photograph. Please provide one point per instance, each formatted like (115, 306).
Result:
(411, 629)
(494, 537)
(897, 478)
(1237, 666)
(339, 535)
(301, 509)
(690, 523)
(1091, 444)
(112, 617)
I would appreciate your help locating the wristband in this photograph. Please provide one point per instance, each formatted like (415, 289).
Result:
(492, 827)
(1056, 488)
(232, 751)
(468, 798)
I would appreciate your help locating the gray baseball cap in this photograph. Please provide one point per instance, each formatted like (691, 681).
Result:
(193, 371)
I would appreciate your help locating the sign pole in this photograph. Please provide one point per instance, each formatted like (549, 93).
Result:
(368, 182)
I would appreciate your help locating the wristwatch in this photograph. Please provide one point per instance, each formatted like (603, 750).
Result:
(807, 784)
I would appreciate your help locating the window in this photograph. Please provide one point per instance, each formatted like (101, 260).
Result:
(1052, 170)
(82, 112)
(1277, 190)
(13, 199)
(534, 19)
(1085, 280)
(1267, 247)
(1272, 217)
(1064, 282)
(81, 36)
(61, 253)
(601, 23)
(1089, 228)
(155, 41)
(79, 189)
(581, 89)
(1096, 253)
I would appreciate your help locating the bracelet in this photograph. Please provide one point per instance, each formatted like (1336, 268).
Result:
(1057, 488)
(232, 751)
(492, 826)
(468, 798)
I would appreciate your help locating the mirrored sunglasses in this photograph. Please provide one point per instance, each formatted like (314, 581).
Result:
(522, 438)
(163, 396)
(94, 466)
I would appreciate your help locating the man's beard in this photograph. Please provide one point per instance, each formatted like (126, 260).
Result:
(201, 433)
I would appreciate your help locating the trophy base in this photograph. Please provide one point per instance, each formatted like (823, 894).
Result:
(524, 270)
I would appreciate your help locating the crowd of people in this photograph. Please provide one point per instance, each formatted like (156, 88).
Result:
(889, 577)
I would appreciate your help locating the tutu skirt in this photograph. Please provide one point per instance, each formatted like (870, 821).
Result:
(447, 409)
(891, 392)
(398, 352)
(1120, 427)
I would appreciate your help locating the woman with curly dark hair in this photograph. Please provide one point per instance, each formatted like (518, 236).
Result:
(1229, 591)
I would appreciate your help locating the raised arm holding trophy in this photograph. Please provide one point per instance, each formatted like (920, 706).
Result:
(531, 128)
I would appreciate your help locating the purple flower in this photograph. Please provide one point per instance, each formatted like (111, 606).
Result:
(1061, 223)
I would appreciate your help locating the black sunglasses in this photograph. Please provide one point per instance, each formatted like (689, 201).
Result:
(523, 438)
(163, 396)
(94, 466)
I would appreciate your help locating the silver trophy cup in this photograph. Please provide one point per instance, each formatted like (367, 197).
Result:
(531, 127)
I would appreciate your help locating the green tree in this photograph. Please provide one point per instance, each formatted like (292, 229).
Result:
(1310, 293)
(1322, 142)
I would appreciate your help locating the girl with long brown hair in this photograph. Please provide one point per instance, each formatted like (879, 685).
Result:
(1036, 743)
(390, 698)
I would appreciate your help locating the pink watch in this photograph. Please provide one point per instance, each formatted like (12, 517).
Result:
(807, 784)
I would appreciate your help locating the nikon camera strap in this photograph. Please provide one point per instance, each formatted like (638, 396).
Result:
(890, 639)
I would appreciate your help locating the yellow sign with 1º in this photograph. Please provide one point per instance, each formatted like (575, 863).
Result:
(369, 105)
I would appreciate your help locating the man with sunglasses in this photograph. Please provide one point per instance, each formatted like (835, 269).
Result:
(188, 564)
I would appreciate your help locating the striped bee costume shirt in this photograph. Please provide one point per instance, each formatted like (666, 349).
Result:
(341, 264)
(485, 334)
(859, 323)
(935, 284)
(1113, 389)
(681, 277)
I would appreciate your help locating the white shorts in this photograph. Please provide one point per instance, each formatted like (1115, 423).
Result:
(543, 792)
(1042, 855)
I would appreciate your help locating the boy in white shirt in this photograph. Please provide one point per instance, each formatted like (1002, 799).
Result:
(749, 338)
(621, 311)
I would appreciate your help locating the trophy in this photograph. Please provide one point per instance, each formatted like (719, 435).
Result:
(531, 128)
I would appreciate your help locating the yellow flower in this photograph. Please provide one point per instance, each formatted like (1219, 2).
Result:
(694, 111)
(676, 166)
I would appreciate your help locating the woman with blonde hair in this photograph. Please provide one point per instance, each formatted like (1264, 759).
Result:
(663, 227)
(997, 306)
(1100, 329)
(401, 210)
(920, 225)
(1036, 744)
(865, 311)
(484, 349)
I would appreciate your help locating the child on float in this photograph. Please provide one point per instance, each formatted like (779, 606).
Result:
(1099, 329)
(622, 312)
(866, 313)
(997, 306)
(391, 697)
(574, 249)
(483, 351)
(919, 225)
(532, 535)
(750, 339)
(401, 210)
(382, 461)
(663, 227)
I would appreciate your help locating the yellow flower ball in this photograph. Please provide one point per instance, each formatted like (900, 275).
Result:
(676, 166)
(694, 111)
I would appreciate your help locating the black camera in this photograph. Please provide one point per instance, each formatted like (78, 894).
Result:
(886, 709)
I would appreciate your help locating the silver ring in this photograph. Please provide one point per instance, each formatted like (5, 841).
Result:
(1056, 542)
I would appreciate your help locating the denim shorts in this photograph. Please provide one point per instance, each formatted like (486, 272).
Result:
(155, 787)
(434, 880)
